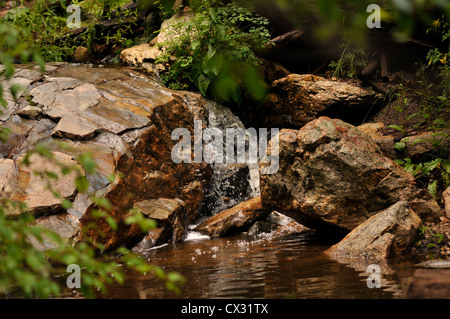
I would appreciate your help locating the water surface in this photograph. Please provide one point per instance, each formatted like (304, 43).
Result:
(263, 267)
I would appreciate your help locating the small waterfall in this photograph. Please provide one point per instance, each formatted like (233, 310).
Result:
(231, 184)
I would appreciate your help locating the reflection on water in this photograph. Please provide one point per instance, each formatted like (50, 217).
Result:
(245, 267)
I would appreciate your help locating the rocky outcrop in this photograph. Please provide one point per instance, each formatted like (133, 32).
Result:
(389, 233)
(298, 99)
(237, 218)
(334, 177)
(124, 120)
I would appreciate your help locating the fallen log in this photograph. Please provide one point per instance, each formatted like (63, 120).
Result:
(285, 39)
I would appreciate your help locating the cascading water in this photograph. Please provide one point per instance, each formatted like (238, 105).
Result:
(231, 183)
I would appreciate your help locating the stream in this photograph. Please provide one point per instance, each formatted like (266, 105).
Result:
(268, 265)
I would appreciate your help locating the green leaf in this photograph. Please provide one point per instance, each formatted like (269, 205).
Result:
(66, 204)
(195, 44)
(81, 184)
(203, 83)
(400, 146)
(15, 89)
(432, 188)
(396, 127)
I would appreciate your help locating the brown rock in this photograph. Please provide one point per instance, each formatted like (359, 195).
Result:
(446, 198)
(74, 128)
(170, 215)
(238, 218)
(332, 176)
(390, 233)
(298, 99)
(139, 54)
(124, 119)
(81, 55)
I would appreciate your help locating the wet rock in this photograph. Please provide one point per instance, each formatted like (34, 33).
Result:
(170, 214)
(261, 227)
(298, 99)
(429, 284)
(235, 219)
(286, 225)
(390, 233)
(334, 177)
(153, 238)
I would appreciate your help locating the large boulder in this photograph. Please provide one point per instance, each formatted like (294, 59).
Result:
(389, 233)
(298, 99)
(332, 176)
(124, 120)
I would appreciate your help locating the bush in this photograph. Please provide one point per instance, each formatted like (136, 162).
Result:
(214, 51)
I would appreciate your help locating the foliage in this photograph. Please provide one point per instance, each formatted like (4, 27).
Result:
(213, 51)
(33, 257)
(46, 26)
(427, 235)
(352, 60)
(434, 105)
(347, 18)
